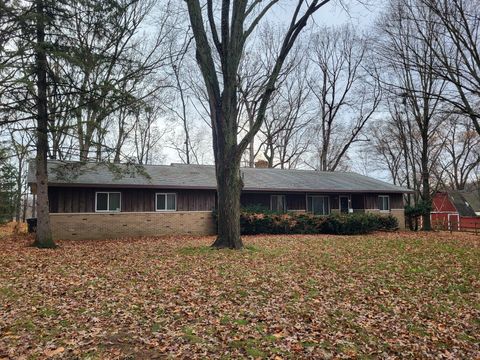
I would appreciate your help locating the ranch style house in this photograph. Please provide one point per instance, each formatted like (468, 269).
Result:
(90, 200)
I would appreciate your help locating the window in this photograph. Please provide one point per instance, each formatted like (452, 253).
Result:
(384, 202)
(107, 201)
(277, 203)
(318, 205)
(166, 202)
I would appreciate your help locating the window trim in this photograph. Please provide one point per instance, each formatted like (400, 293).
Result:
(329, 207)
(108, 201)
(284, 202)
(165, 193)
(389, 207)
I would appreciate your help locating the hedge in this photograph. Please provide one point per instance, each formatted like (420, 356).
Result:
(291, 223)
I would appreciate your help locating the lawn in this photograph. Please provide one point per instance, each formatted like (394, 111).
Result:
(381, 295)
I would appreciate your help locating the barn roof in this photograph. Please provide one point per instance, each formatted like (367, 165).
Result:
(178, 176)
(473, 199)
(464, 202)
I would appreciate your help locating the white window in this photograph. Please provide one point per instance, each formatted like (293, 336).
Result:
(278, 203)
(166, 201)
(318, 205)
(384, 202)
(108, 201)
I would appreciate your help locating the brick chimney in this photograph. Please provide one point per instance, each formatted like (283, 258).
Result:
(261, 164)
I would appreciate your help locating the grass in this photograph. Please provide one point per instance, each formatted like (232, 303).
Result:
(382, 295)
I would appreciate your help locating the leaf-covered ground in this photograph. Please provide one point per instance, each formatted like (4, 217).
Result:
(383, 295)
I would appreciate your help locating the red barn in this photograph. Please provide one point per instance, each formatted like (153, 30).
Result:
(456, 210)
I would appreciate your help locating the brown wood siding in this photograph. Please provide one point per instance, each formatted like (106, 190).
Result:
(195, 200)
(334, 201)
(396, 201)
(371, 201)
(358, 201)
(82, 200)
(138, 200)
(53, 200)
(296, 202)
(255, 199)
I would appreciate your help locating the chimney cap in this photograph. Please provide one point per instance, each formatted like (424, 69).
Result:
(261, 164)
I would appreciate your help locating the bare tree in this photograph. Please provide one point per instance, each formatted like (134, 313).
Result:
(286, 127)
(461, 155)
(455, 49)
(387, 149)
(407, 64)
(226, 42)
(258, 61)
(346, 97)
(147, 136)
(21, 143)
(180, 98)
(126, 123)
(280, 137)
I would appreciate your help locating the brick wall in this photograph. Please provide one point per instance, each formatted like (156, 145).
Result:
(114, 225)
(398, 213)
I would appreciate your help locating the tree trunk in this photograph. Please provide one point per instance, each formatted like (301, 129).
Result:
(251, 146)
(34, 206)
(229, 43)
(43, 237)
(18, 196)
(25, 207)
(427, 226)
(229, 186)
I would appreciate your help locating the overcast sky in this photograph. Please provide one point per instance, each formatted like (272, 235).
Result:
(354, 12)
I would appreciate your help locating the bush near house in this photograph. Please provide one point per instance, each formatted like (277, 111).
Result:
(253, 223)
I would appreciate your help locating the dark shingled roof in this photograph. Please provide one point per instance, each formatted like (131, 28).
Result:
(461, 203)
(203, 177)
(473, 198)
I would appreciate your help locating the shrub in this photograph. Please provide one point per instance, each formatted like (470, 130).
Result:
(358, 223)
(257, 209)
(307, 224)
(387, 223)
(291, 223)
(351, 224)
(255, 223)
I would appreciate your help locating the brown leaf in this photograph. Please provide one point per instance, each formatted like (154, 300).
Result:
(52, 353)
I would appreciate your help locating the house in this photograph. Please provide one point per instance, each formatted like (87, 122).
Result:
(101, 200)
(456, 210)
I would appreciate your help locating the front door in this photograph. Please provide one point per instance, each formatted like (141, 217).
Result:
(344, 204)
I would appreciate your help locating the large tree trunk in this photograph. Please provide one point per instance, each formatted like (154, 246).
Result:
(229, 44)
(229, 187)
(44, 234)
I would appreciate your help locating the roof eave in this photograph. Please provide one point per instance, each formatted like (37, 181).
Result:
(248, 189)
